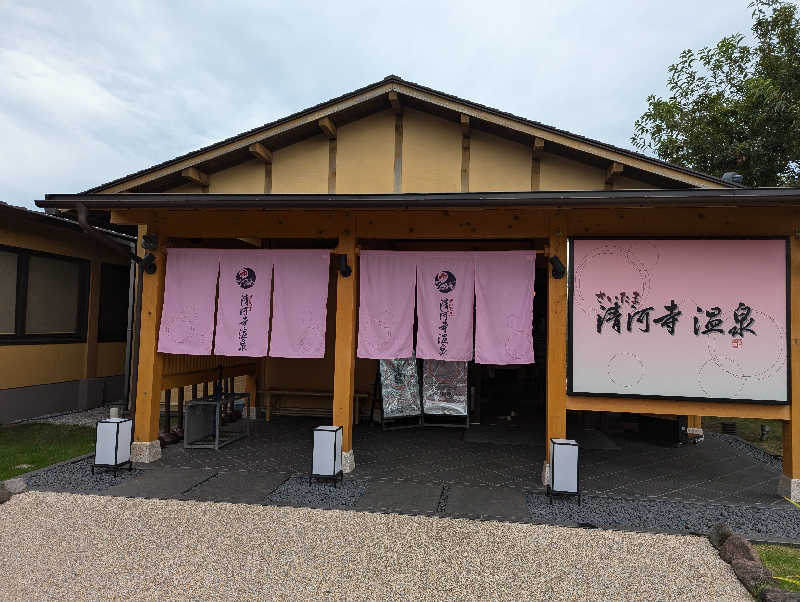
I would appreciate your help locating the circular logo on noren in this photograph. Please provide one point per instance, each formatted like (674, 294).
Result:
(246, 277)
(445, 281)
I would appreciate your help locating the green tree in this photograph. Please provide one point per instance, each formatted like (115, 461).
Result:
(734, 106)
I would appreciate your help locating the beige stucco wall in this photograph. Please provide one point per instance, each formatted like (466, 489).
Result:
(301, 167)
(26, 365)
(622, 183)
(431, 153)
(560, 173)
(498, 164)
(188, 188)
(365, 155)
(245, 178)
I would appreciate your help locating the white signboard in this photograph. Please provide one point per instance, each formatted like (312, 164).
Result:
(679, 318)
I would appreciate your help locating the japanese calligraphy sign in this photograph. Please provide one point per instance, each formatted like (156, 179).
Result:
(245, 286)
(679, 318)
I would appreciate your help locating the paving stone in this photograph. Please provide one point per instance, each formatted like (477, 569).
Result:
(167, 483)
(236, 487)
(401, 497)
(500, 503)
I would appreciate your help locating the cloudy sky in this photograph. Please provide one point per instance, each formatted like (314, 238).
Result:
(90, 91)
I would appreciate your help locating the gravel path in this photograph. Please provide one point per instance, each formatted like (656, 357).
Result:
(85, 418)
(63, 546)
(77, 477)
(757, 522)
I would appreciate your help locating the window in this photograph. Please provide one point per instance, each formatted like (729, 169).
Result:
(114, 282)
(43, 297)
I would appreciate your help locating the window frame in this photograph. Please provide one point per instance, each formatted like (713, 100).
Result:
(20, 311)
(102, 336)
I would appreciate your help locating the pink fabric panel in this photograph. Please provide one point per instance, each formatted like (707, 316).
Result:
(386, 306)
(245, 286)
(187, 317)
(445, 301)
(504, 307)
(299, 303)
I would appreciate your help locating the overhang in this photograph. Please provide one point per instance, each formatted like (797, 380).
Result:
(473, 200)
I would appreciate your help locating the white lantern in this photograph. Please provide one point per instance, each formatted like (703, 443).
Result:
(327, 457)
(564, 471)
(113, 448)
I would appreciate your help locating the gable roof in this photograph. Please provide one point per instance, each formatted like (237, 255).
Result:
(374, 97)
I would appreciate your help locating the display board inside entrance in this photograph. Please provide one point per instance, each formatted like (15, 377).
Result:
(679, 318)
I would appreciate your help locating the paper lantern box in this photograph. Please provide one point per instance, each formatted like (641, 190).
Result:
(113, 447)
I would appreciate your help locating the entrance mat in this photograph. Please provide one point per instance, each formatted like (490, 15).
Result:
(237, 487)
(298, 491)
(162, 483)
(400, 497)
(494, 503)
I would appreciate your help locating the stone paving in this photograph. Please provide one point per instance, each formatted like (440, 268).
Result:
(437, 472)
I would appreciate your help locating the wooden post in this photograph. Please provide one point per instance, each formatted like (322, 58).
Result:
(556, 340)
(146, 447)
(181, 395)
(345, 348)
(167, 411)
(789, 485)
(251, 387)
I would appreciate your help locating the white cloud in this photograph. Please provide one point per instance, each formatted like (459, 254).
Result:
(90, 92)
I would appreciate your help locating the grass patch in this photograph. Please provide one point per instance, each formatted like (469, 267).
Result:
(40, 445)
(783, 561)
(749, 429)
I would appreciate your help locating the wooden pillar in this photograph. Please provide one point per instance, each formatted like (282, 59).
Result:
(790, 481)
(90, 349)
(345, 347)
(146, 447)
(557, 337)
(251, 387)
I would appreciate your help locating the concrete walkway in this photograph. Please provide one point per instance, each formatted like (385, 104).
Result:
(64, 546)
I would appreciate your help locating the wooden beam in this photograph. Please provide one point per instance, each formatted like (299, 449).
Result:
(195, 175)
(398, 152)
(614, 170)
(185, 379)
(464, 120)
(253, 242)
(332, 166)
(465, 144)
(556, 382)
(394, 100)
(536, 164)
(151, 363)
(259, 151)
(791, 428)
(90, 356)
(676, 407)
(345, 346)
(328, 127)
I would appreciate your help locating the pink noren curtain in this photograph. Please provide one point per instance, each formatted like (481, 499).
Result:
(386, 305)
(504, 307)
(445, 301)
(245, 286)
(187, 317)
(300, 300)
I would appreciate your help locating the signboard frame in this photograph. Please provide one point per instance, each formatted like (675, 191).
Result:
(570, 364)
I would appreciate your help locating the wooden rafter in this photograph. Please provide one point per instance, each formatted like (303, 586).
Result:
(538, 147)
(614, 170)
(259, 151)
(328, 127)
(464, 119)
(394, 100)
(195, 175)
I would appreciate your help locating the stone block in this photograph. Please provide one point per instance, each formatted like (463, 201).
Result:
(719, 535)
(737, 547)
(751, 574)
(16, 485)
(788, 487)
(145, 451)
(348, 461)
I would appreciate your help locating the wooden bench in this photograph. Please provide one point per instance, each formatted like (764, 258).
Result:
(272, 406)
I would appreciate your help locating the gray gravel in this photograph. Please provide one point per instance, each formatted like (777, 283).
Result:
(659, 515)
(62, 546)
(751, 450)
(85, 418)
(77, 477)
(297, 491)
